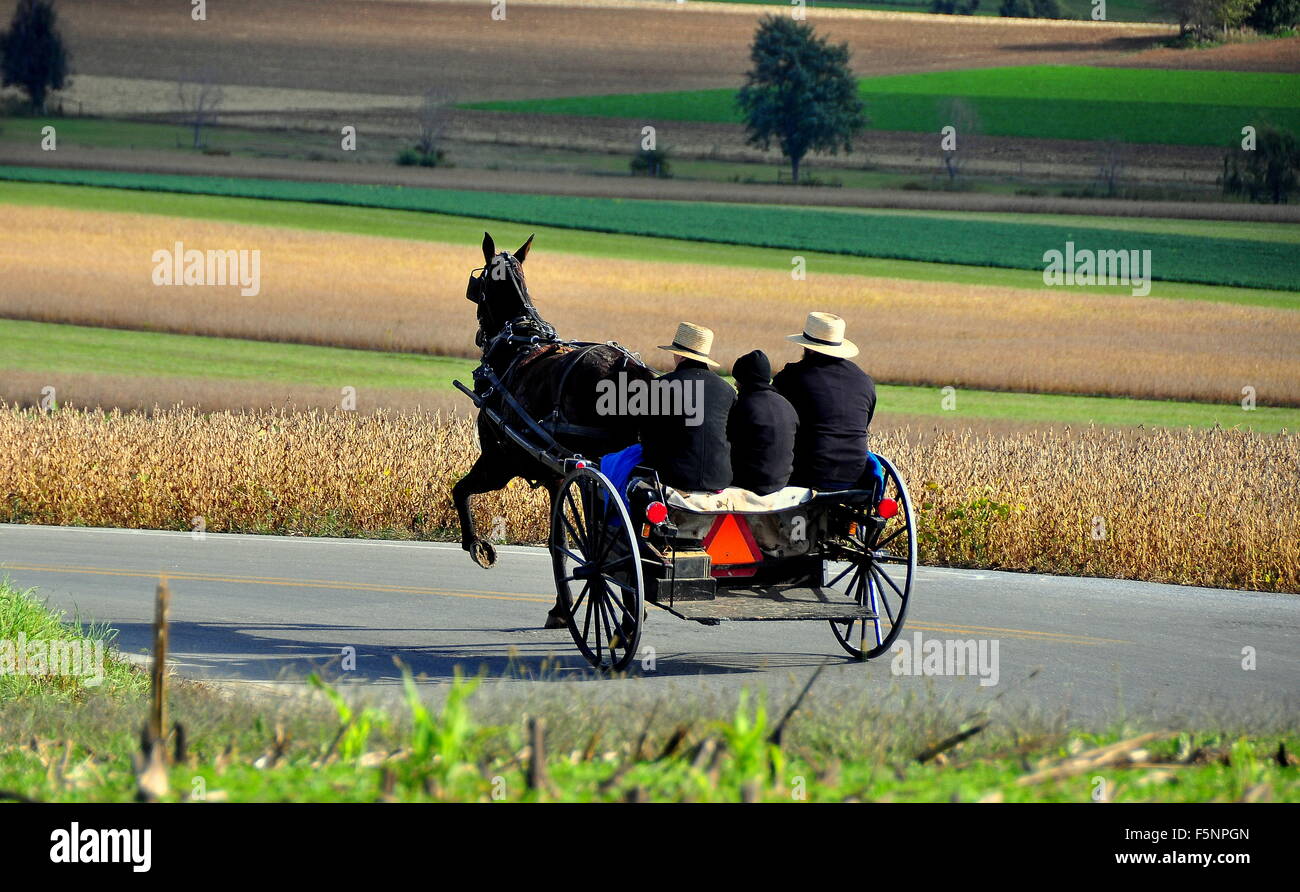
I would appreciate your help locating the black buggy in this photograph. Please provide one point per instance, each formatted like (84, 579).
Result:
(847, 558)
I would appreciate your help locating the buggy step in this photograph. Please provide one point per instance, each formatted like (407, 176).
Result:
(771, 603)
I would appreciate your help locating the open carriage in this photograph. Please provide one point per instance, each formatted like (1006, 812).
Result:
(846, 558)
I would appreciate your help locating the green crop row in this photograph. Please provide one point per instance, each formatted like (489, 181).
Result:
(1075, 102)
(1173, 257)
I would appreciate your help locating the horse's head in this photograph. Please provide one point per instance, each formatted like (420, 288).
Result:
(500, 289)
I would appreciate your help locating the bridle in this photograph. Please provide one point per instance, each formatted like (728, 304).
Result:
(530, 319)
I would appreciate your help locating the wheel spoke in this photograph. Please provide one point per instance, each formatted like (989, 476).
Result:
(618, 602)
(598, 531)
(843, 573)
(854, 588)
(577, 520)
(580, 561)
(586, 622)
(605, 623)
(885, 576)
(892, 536)
(577, 602)
(875, 609)
(626, 588)
(885, 600)
(573, 531)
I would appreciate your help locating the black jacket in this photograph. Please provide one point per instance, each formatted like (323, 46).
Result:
(835, 401)
(761, 428)
(692, 456)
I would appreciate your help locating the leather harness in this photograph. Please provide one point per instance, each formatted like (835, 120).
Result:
(530, 338)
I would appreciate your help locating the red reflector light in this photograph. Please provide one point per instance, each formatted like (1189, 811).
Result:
(887, 508)
(656, 512)
(581, 464)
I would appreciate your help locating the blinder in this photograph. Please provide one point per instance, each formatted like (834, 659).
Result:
(474, 290)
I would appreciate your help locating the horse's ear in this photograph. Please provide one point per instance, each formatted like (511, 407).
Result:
(489, 248)
(522, 253)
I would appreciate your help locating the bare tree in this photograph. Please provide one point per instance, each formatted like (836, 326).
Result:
(200, 98)
(958, 147)
(433, 118)
(1110, 171)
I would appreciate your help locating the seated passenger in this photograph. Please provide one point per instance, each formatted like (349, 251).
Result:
(835, 401)
(761, 428)
(688, 446)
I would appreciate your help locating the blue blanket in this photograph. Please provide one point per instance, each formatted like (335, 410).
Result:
(617, 466)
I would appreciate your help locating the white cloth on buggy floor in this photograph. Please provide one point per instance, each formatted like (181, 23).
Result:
(734, 500)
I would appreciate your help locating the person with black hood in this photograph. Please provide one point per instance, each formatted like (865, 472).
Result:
(835, 401)
(761, 428)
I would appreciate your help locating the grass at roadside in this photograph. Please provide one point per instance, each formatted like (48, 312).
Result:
(476, 747)
(44, 653)
(67, 352)
(1175, 257)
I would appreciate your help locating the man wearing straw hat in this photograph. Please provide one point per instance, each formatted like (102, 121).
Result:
(691, 452)
(834, 400)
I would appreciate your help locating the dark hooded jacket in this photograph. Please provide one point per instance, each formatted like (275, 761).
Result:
(761, 428)
(690, 456)
(835, 401)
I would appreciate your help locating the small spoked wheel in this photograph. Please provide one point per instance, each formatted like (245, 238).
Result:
(880, 558)
(597, 569)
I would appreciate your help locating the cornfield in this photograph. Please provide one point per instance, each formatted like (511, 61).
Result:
(1205, 507)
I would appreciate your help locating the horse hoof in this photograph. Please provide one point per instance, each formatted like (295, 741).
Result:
(555, 619)
(483, 553)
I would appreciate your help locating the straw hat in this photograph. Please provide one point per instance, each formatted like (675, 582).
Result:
(824, 332)
(693, 342)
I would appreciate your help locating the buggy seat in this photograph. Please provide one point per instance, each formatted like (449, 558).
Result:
(734, 500)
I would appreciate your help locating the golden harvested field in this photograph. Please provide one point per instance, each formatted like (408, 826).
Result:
(1216, 508)
(335, 289)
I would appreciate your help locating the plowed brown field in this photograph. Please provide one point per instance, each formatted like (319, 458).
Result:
(540, 50)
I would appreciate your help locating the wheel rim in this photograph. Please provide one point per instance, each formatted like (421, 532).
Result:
(597, 569)
(879, 574)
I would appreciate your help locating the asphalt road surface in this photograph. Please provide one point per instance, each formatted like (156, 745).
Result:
(272, 609)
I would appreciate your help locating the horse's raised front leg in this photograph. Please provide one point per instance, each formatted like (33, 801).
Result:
(488, 475)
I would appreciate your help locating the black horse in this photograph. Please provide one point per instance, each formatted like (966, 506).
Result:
(554, 382)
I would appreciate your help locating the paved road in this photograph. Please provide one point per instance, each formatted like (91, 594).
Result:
(261, 608)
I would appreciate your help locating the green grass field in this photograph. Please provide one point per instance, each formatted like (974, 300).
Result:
(1272, 265)
(1134, 105)
(74, 349)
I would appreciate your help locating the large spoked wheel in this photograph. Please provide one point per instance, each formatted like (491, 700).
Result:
(597, 569)
(881, 561)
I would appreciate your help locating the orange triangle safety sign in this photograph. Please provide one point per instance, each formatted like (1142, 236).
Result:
(731, 542)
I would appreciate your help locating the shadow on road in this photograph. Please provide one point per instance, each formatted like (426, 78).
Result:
(290, 652)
